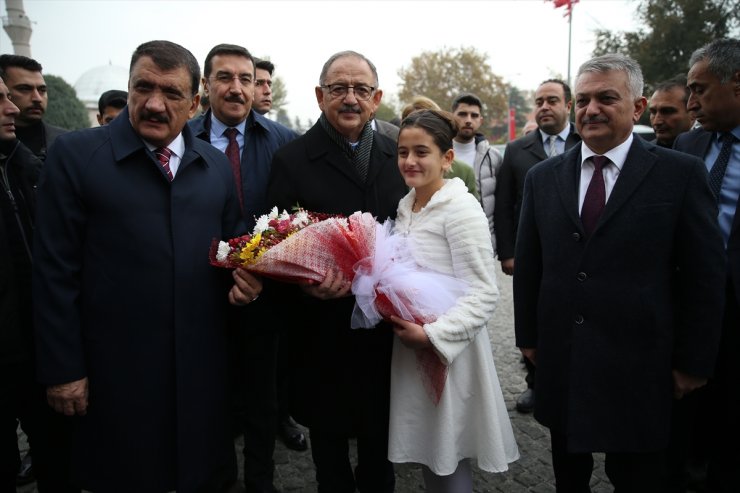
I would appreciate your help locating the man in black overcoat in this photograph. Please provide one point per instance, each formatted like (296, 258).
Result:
(619, 286)
(129, 314)
(342, 375)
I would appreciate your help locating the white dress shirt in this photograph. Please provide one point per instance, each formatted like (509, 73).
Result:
(617, 156)
(177, 148)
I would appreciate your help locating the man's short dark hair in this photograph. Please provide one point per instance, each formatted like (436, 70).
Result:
(677, 82)
(265, 65)
(169, 56)
(19, 61)
(114, 97)
(225, 49)
(566, 88)
(467, 98)
(722, 56)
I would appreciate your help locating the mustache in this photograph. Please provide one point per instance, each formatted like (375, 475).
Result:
(595, 119)
(158, 117)
(347, 108)
(234, 99)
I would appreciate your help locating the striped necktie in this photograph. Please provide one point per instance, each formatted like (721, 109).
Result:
(553, 149)
(163, 156)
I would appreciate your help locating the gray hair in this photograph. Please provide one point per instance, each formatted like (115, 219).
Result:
(722, 56)
(343, 54)
(616, 62)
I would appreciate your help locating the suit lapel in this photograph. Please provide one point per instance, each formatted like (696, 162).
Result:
(703, 142)
(573, 138)
(567, 173)
(320, 145)
(637, 165)
(376, 165)
(535, 147)
(190, 153)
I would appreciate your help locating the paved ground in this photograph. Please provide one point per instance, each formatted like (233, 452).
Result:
(531, 473)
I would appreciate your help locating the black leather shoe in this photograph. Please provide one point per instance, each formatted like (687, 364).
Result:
(291, 435)
(525, 402)
(25, 472)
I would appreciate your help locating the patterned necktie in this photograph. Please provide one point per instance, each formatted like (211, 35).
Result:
(595, 199)
(232, 152)
(717, 173)
(553, 149)
(163, 155)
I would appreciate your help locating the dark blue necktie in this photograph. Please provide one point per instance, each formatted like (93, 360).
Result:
(717, 173)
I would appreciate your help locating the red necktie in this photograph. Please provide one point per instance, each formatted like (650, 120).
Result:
(232, 152)
(593, 202)
(163, 155)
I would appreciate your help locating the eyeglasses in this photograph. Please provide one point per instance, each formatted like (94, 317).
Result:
(225, 78)
(339, 91)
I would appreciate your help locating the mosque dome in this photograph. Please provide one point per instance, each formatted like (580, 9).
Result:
(97, 80)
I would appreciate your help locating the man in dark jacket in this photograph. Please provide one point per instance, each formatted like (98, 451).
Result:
(619, 286)
(23, 398)
(668, 114)
(249, 140)
(129, 314)
(28, 91)
(554, 135)
(714, 82)
(342, 375)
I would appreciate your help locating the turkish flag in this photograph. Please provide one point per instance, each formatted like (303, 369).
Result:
(568, 4)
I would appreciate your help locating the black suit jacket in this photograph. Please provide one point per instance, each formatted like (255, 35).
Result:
(339, 370)
(608, 314)
(520, 155)
(697, 142)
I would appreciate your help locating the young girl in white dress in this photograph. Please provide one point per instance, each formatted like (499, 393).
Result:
(447, 232)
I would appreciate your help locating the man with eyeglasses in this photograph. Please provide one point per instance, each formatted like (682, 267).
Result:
(249, 140)
(342, 376)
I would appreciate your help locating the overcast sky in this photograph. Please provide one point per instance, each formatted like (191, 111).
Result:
(526, 40)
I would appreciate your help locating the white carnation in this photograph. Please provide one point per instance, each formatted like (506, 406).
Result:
(300, 220)
(262, 224)
(273, 213)
(223, 251)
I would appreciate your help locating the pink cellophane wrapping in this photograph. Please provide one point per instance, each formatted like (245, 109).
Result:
(390, 282)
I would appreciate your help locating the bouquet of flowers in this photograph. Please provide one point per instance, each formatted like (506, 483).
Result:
(386, 280)
(298, 247)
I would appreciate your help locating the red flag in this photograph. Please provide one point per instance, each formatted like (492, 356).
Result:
(568, 4)
(512, 123)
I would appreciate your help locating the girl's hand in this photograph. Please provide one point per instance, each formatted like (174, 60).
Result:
(412, 335)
